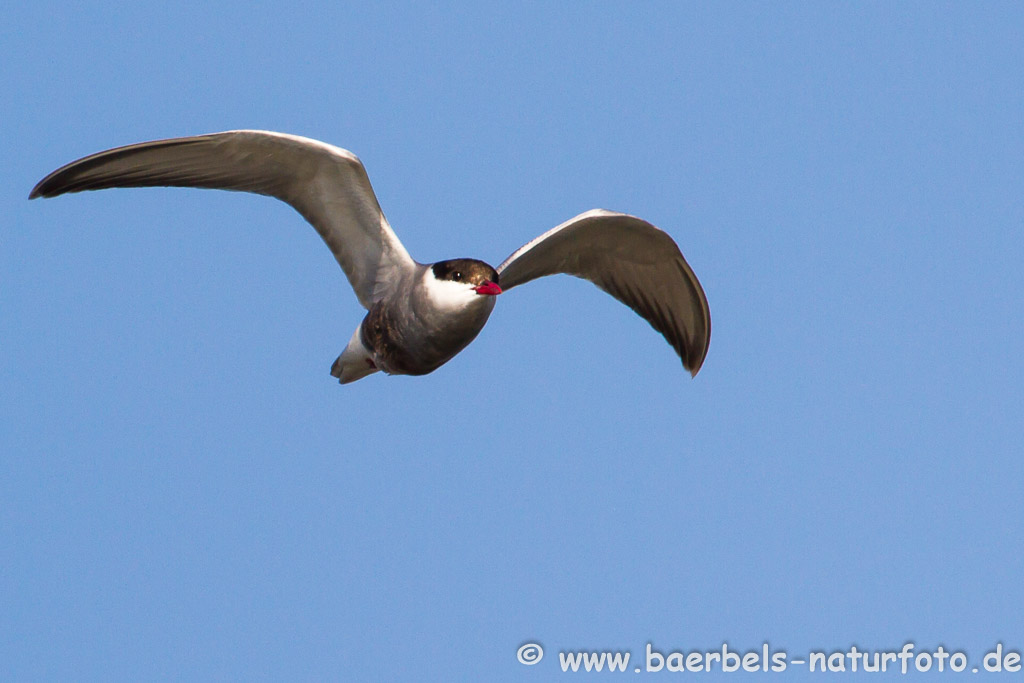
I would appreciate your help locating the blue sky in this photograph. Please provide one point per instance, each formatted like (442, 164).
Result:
(186, 493)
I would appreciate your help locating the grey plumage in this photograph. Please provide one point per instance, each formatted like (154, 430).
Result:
(430, 314)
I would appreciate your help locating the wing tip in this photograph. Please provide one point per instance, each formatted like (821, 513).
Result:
(696, 361)
(694, 364)
(44, 188)
(693, 359)
(48, 187)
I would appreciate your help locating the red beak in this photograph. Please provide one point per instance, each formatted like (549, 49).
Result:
(488, 288)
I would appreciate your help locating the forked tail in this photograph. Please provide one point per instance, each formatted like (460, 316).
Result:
(355, 362)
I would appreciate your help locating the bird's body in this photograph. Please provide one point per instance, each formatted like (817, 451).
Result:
(419, 316)
(419, 328)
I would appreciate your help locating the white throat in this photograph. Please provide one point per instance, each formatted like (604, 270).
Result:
(448, 295)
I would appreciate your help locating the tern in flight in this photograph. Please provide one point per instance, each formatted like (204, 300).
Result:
(419, 315)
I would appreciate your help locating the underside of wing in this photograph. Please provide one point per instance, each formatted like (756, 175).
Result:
(632, 260)
(326, 184)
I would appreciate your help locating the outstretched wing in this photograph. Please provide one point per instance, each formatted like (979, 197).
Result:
(632, 260)
(326, 184)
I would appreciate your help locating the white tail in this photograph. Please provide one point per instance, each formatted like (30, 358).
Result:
(355, 362)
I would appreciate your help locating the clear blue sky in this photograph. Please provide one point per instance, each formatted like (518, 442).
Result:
(186, 493)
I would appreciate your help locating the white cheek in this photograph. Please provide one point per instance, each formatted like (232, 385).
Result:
(447, 295)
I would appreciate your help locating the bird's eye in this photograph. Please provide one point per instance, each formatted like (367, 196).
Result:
(457, 276)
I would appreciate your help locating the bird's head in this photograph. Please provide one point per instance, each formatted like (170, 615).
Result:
(458, 282)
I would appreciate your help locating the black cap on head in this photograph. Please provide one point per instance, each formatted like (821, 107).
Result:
(467, 270)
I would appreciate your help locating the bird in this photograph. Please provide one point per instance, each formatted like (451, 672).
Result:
(419, 316)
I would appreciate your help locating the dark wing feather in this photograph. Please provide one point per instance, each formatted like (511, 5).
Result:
(326, 184)
(632, 260)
